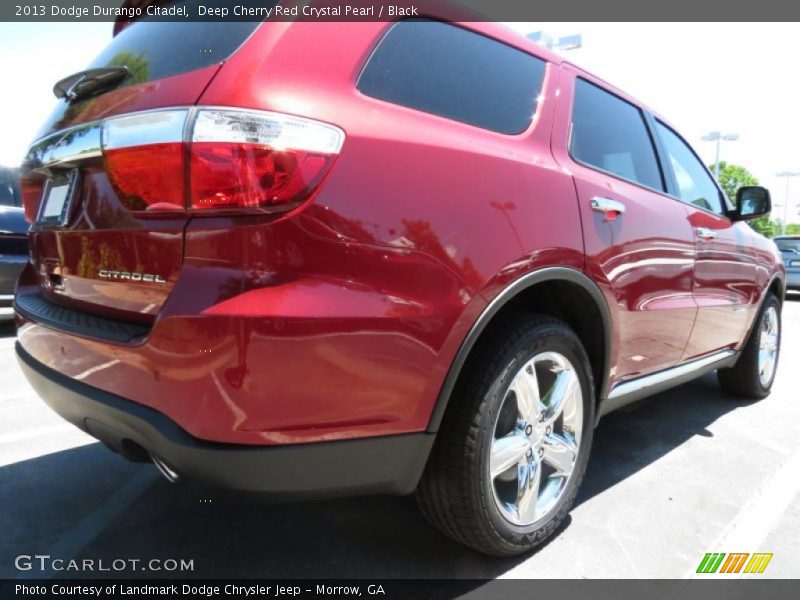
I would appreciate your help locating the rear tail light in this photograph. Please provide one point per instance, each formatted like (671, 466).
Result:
(257, 160)
(144, 159)
(232, 160)
(32, 187)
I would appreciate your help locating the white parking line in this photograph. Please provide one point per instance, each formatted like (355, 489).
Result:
(18, 436)
(756, 520)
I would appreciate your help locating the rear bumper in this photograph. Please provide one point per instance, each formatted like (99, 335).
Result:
(793, 279)
(377, 465)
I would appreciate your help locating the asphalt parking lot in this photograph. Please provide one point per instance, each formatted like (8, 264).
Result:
(684, 473)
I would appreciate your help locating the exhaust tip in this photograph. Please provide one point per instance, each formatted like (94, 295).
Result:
(163, 468)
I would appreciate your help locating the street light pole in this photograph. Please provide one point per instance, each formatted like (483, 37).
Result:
(788, 175)
(716, 136)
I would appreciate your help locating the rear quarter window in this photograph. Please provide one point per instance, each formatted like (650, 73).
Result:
(448, 71)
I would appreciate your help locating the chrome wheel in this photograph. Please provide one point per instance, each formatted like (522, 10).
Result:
(768, 346)
(536, 439)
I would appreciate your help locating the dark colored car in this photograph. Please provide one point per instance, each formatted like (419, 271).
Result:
(789, 245)
(330, 259)
(13, 239)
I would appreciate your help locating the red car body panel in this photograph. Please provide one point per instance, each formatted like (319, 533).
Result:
(342, 318)
(643, 260)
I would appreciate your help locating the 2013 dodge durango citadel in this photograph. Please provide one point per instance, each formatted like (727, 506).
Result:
(346, 258)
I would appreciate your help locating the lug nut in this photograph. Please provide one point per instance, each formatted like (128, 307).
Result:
(548, 430)
(541, 452)
(529, 430)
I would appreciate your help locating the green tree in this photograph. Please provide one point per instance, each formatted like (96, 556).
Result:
(731, 178)
(793, 229)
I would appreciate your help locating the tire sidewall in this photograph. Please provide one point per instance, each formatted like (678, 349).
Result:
(535, 342)
(771, 301)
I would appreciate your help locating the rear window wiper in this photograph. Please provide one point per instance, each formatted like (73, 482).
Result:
(88, 82)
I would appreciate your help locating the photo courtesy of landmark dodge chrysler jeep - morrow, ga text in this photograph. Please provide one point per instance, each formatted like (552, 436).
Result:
(377, 258)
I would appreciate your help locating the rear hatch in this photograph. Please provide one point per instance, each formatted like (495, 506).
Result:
(105, 190)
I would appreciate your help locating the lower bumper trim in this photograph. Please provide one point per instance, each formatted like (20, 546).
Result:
(377, 465)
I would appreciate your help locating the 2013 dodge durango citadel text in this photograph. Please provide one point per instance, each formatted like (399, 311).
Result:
(419, 256)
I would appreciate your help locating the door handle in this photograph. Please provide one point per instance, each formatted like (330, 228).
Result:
(705, 234)
(610, 209)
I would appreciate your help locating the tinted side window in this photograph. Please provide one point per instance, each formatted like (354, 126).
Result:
(610, 134)
(454, 73)
(695, 185)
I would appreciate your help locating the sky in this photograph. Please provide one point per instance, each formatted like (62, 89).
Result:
(730, 77)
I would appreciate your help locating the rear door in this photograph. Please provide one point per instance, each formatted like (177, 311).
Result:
(725, 286)
(639, 243)
(105, 190)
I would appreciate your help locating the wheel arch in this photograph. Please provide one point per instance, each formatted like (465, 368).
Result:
(521, 294)
(776, 286)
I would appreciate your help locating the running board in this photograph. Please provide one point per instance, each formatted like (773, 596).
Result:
(641, 387)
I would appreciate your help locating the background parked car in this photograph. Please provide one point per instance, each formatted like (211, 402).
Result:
(13, 239)
(789, 245)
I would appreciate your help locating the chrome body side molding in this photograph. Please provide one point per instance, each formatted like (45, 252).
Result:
(630, 391)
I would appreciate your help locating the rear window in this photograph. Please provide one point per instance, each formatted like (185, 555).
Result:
(454, 73)
(788, 245)
(152, 50)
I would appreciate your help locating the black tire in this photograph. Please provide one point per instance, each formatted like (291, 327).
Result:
(743, 379)
(454, 493)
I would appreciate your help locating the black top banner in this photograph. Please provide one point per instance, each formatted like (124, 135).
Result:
(375, 10)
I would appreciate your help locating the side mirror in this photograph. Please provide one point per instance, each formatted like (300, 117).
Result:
(752, 201)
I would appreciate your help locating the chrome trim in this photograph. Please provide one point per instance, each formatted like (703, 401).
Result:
(606, 205)
(168, 472)
(641, 387)
(647, 381)
(67, 146)
(87, 140)
(705, 234)
(80, 142)
(153, 127)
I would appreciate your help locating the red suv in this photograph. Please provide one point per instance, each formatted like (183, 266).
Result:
(347, 258)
